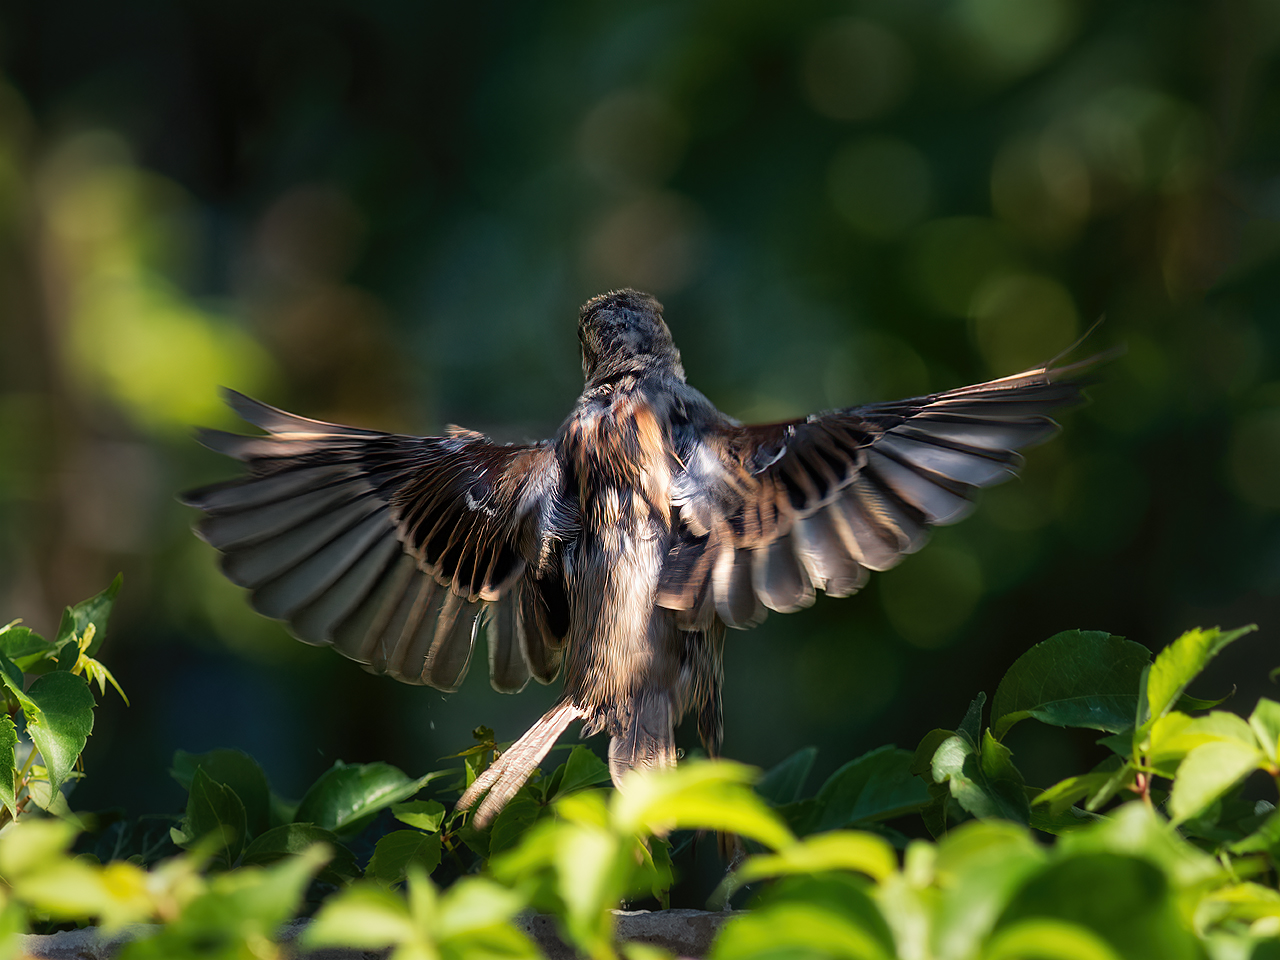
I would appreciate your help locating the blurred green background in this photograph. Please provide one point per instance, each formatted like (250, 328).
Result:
(387, 213)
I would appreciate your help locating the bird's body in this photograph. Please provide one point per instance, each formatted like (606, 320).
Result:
(621, 549)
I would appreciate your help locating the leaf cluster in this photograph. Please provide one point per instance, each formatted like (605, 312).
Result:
(1158, 853)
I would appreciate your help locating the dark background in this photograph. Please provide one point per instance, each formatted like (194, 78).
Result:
(387, 213)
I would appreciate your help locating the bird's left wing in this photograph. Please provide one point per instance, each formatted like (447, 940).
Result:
(769, 512)
(393, 549)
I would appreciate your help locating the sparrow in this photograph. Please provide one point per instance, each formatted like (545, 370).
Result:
(618, 551)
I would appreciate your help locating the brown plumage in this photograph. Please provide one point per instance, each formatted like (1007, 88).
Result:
(621, 548)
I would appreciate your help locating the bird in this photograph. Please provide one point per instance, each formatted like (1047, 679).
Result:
(618, 551)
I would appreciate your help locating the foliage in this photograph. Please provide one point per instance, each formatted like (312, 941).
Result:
(1157, 853)
(57, 707)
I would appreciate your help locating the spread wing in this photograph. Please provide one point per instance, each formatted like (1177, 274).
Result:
(395, 550)
(768, 513)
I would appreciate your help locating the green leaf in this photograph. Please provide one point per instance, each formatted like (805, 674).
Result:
(1186, 703)
(1048, 940)
(1266, 838)
(366, 917)
(13, 680)
(971, 725)
(922, 763)
(238, 916)
(19, 643)
(399, 849)
(984, 781)
(213, 809)
(424, 814)
(1077, 678)
(828, 916)
(95, 610)
(234, 769)
(978, 865)
(8, 764)
(842, 850)
(292, 839)
(59, 711)
(1122, 900)
(1181, 662)
(876, 786)
(347, 794)
(785, 781)
(1265, 721)
(707, 795)
(1175, 735)
(1207, 773)
(582, 769)
(513, 821)
(1065, 793)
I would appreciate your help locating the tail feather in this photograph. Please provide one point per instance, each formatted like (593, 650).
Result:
(648, 738)
(509, 772)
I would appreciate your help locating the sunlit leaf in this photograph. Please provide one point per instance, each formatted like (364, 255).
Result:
(1265, 721)
(1124, 901)
(59, 721)
(115, 894)
(1077, 678)
(830, 916)
(984, 781)
(1048, 940)
(20, 643)
(1175, 735)
(424, 814)
(365, 916)
(838, 850)
(8, 764)
(711, 795)
(1207, 773)
(1265, 838)
(1066, 792)
(1181, 662)
(96, 610)
(978, 866)
(592, 871)
(31, 845)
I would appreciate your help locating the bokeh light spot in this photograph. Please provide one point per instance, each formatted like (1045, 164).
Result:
(949, 259)
(880, 185)
(931, 595)
(132, 333)
(632, 137)
(652, 242)
(1021, 320)
(1011, 37)
(855, 69)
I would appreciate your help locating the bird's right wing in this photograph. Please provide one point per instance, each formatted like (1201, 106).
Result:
(396, 550)
(769, 512)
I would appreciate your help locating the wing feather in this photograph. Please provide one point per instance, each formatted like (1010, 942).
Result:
(768, 513)
(388, 547)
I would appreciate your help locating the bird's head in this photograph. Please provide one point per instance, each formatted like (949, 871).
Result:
(623, 332)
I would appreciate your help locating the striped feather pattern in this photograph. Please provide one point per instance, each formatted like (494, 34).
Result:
(395, 550)
(771, 513)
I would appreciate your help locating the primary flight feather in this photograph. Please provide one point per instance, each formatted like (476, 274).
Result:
(619, 550)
